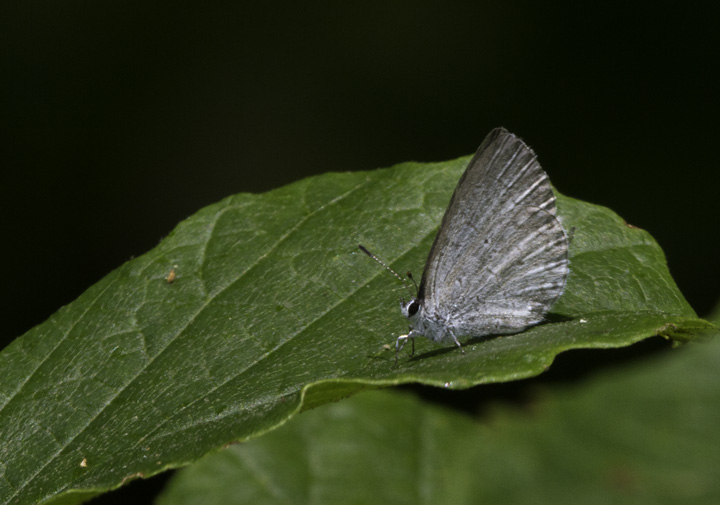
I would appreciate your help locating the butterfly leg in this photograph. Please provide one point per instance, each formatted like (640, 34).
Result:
(399, 346)
(452, 334)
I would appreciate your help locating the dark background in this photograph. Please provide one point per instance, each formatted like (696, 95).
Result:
(119, 119)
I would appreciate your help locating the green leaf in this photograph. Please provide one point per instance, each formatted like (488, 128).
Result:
(273, 309)
(638, 435)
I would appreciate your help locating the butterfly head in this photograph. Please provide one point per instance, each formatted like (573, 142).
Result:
(410, 309)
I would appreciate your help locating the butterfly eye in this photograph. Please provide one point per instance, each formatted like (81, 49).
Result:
(413, 308)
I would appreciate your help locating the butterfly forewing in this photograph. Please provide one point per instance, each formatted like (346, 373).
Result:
(499, 261)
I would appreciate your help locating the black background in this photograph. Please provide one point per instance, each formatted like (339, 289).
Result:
(120, 119)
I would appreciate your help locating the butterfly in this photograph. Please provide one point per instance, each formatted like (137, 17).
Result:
(500, 258)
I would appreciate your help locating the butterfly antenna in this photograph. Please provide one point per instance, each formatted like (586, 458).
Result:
(362, 248)
(417, 289)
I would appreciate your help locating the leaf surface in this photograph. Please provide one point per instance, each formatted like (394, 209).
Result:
(641, 435)
(273, 309)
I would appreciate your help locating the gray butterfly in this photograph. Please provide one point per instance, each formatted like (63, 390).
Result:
(500, 259)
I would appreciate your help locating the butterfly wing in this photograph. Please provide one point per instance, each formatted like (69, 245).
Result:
(500, 258)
